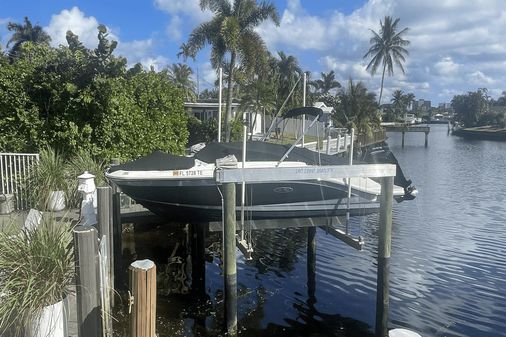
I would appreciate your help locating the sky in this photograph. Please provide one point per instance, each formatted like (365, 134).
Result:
(455, 45)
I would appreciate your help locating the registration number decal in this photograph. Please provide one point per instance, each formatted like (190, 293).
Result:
(187, 173)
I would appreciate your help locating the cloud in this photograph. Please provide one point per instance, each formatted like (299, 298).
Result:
(75, 20)
(456, 46)
(174, 29)
(446, 67)
(136, 51)
(157, 63)
(189, 9)
(480, 78)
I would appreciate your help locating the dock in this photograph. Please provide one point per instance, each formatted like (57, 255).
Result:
(409, 128)
(112, 216)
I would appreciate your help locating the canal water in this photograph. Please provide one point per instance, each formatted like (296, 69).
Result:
(448, 265)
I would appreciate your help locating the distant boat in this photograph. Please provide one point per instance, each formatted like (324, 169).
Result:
(179, 187)
(439, 119)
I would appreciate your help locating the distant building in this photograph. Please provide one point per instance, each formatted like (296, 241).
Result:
(444, 106)
(206, 109)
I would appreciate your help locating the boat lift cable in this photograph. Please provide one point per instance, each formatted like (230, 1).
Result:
(274, 122)
(349, 180)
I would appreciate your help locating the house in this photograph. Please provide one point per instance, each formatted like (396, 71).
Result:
(206, 109)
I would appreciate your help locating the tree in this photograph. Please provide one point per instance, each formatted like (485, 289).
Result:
(180, 75)
(23, 33)
(399, 102)
(471, 106)
(357, 108)
(74, 98)
(289, 72)
(387, 48)
(410, 99)
(326, 83)
(231, 30)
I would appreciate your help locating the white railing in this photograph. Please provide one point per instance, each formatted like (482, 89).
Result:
(14, 169)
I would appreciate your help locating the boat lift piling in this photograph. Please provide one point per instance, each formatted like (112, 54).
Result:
(228, 177)
(198, 237)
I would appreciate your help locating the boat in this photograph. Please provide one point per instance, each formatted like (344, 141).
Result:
(184, 188)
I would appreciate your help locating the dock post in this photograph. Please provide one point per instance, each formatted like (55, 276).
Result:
(384, 250)
(89, 315)
(403, 138)
(116, 229)
(311, 264)
(142, 299)
(105, 236)
(338, 144)
(329, 139)
(230, 258)
(426, 139)
(198, 234)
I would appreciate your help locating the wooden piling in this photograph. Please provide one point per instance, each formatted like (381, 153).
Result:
(311, 264)
(105, 235)
(403, 133)
(142, 303)
(89, 319)
(384, 251)
(229, 246)
(426, 139)
(198, 233)
(116, 234)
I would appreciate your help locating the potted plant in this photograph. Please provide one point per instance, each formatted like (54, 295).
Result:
(36, 271)
(48, 182)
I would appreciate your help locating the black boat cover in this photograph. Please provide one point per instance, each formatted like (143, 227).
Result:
(256, 151)
(262, 151)
(157, 161)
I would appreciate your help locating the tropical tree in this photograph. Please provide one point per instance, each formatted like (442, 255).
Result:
(326, 83)
(180, 75)
(23, 33)
(357, 108)
(399, 102)
(288, 72)
(410, 99)
(387, 49)
(231, 31)
(471, 106)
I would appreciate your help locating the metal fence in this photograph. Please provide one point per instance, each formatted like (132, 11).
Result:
(14, 170)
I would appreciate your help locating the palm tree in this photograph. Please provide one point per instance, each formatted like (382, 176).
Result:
(357, 108)
(180, 75)
(327, 82)
(289, 72)
(409, 99)
(398, 100)
(25, 33)
(387, 48)
(231, 31)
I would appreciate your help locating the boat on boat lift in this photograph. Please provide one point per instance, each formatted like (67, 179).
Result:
(184, 188)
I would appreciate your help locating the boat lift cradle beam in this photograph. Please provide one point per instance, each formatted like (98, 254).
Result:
(259, 175)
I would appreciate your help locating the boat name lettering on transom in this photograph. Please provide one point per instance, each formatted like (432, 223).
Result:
(187, 173)
(307, 170)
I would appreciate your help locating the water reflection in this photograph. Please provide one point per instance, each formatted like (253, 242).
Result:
(448, 266)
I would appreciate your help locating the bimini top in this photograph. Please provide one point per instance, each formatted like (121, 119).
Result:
(309, 110)
(256, 151)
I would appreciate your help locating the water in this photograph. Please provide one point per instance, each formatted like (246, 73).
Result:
(448, 265)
